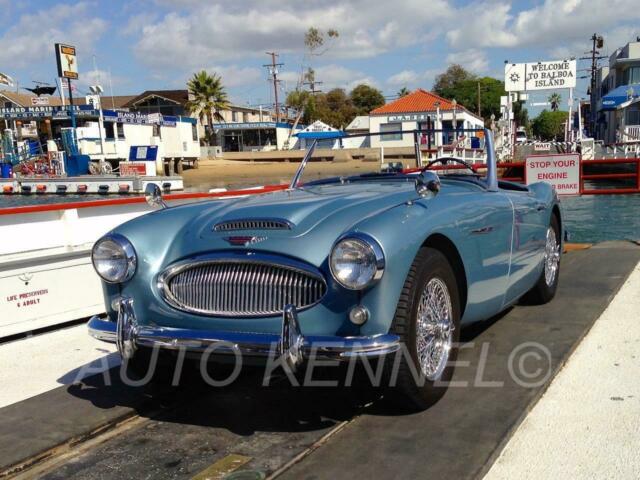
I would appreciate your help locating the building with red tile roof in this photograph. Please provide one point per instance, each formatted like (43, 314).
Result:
(415, 111)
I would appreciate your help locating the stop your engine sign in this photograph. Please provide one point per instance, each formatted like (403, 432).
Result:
(561, 171)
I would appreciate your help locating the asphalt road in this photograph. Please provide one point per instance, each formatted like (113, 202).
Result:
(185, 431)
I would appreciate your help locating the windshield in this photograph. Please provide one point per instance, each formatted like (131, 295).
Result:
(371, 154)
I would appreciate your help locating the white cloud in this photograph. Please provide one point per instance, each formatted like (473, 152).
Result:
(236, 76)
(473, 60)
(100, 77)
(338, 76)
(203, 32)
(412, 79)
(32, 37)
(551, 24)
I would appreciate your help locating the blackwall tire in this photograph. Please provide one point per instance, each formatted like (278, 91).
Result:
(417, 379)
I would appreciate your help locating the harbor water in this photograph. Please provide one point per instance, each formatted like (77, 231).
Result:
(589, 218)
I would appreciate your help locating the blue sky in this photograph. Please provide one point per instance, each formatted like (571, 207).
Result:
(158, 44)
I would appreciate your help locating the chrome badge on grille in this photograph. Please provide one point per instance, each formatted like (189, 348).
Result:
(244, 240)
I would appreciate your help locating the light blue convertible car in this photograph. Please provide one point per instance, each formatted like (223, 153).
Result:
(353, 267)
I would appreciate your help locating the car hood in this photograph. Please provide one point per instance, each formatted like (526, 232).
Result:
(318, 216)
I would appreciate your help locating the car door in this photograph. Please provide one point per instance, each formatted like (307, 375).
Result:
(527, 243)
(487, 231)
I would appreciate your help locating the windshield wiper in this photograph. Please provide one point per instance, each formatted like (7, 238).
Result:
(303, 164)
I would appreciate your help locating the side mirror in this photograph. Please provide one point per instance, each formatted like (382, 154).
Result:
(153, 196)
(427, 183)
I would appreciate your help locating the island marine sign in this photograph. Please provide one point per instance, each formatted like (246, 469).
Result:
(523, 77)
(67, 62)
(561, 171)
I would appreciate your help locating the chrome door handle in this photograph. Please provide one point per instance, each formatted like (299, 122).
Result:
(479, 231)
(540, 207)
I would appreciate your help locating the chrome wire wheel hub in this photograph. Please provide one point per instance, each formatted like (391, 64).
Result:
(551, 257)
(434, 328)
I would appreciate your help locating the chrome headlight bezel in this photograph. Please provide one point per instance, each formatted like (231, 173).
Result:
(129, 257)
(372, 248)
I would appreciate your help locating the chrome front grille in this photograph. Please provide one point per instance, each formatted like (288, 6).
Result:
(253, 224)
(236, 288)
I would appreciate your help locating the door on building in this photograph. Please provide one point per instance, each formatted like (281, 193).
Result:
(232, 142)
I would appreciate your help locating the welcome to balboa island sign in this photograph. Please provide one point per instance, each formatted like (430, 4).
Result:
(523, 77)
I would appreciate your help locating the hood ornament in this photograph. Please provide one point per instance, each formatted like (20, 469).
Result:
(244, 240)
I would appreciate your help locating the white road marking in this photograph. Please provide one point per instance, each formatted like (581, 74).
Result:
(41, 363)
(586, 424)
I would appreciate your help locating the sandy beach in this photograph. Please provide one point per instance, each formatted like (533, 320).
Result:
(237, 174)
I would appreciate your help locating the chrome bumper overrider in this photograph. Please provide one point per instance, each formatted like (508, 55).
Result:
(291, 344)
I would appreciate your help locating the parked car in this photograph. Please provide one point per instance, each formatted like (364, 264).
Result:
(359, 267)
(521, 136)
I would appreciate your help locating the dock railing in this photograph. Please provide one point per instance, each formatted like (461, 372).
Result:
(635, 176)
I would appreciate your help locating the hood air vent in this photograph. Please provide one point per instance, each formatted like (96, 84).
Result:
(253, 224)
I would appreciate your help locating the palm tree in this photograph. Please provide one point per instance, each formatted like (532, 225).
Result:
(403, 92)
(554, 99)
(208, 97)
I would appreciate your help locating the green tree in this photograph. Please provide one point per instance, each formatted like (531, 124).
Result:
(403, 92)
(466, 94)
(521, 116)
(335, 108)
(554, 99)
(454, 75)
(366, 98)
(207, 97)
(305, 103)
(549, 125)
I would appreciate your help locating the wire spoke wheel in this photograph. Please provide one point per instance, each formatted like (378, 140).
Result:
(551, 257)
(434, 328)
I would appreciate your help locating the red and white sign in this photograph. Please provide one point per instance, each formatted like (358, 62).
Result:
(39, 101)
(132, 169)
(561, 171)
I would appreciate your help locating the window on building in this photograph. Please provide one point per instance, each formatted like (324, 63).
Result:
(120, 130)
(156, 130)
(633, 117)
(390, 127)
(631, 75)
(194, 132)
(109, 131)
(234, 116)
(245, 117)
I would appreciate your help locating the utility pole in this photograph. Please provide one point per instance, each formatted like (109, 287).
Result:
(311, 82)
(479, 114)
(273, 72)
(597, 43)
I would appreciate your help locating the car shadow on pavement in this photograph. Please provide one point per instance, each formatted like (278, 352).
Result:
(247, 405)
(243, 407)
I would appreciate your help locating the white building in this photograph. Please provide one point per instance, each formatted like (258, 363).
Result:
(617, 96)
(416, 111)
(325, 135)
(358, 126)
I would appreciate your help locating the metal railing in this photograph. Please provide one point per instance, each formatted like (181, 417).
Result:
(616, 176)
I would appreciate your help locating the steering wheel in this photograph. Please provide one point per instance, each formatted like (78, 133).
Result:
(445, 160)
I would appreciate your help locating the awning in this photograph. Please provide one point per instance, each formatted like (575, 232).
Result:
(619, 95)
(321, 135)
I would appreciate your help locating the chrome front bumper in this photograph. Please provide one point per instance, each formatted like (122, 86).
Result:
(128, 335)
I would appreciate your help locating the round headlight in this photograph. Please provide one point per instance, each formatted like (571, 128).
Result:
(356, 261)
(114, 258)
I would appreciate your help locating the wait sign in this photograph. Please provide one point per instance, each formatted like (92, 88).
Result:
(561, 171)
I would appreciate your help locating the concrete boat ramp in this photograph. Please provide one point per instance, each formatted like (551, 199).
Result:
(93, 430)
